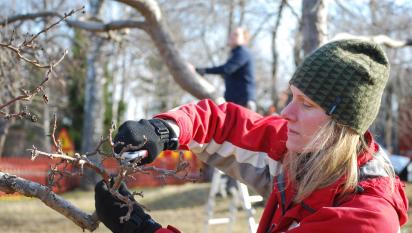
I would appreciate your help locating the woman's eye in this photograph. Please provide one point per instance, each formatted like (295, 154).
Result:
(306, 104)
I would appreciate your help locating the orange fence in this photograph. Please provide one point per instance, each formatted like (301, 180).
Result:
(38, 169)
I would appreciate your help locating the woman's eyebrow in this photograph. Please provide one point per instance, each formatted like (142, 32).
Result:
(305, 98)
(300, 96)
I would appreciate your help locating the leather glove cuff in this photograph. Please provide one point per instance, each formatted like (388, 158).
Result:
(166, 133)
(136, 225)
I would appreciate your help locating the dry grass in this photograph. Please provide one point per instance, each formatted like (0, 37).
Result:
(180, 206)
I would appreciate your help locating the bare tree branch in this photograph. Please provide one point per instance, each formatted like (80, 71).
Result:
(293, 11)
(187, 79)
(126, 169)
(86, 25)
(11, 184)
(19, 49)
(29, 42)
(27, 95)
(264, 21)
(379, 39)
(105, 27)
(153, 25)
(34, 62)
(30, 16)
(77, 160)
(148, 8)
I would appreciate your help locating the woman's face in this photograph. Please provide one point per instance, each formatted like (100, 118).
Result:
(304, 118)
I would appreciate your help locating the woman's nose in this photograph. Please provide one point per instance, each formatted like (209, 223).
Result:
(289, 112)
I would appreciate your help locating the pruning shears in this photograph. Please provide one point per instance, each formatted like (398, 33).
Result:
(130, 157)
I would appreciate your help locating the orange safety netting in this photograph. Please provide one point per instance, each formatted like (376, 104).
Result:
(37, 170)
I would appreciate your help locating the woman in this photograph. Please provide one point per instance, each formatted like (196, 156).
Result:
(320, 166)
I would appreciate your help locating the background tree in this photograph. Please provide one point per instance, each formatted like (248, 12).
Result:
(94, 106)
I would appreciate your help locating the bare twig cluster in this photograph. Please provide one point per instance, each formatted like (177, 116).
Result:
(19, 50)
(113, 181)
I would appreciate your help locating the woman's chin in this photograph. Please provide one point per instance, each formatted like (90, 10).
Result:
(294, 147)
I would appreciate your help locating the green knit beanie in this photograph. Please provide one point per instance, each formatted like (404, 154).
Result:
(346, 78)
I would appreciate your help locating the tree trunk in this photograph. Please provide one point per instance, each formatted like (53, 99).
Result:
(4, 128)
(314, 24)
(94, 101)
(273, 87)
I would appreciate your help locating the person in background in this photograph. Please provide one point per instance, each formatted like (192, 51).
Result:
(239, 76)
(238, 71)
(318, 162)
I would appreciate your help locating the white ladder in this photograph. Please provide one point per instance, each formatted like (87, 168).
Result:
(241, 194)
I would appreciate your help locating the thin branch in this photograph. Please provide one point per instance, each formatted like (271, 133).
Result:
(78, 160)
(30, 16)
(53, 24)
(56, 144)
(260, 27)
(182, 166)
(293, 11)
(345, 9)
(34, 62)
(86, 25)
(105, 27)
(28, 95)
(126, 170)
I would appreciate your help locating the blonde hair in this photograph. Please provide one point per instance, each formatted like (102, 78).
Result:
(331, 155)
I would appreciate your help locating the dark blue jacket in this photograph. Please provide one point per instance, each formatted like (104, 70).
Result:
(239, 75)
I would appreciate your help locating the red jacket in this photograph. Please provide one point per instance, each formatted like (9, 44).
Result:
(250, 147)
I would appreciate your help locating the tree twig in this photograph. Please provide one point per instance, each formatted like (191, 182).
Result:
(78, 160)
(29, 42)
(28, 95)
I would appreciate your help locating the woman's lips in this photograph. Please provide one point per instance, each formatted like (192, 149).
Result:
(291, 131)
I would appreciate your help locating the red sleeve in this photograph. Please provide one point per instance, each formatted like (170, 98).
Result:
(205, 121)
(169, 229)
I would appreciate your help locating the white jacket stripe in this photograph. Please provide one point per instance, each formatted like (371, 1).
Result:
(255, 169)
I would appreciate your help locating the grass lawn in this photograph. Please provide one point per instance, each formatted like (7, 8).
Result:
(182, 206)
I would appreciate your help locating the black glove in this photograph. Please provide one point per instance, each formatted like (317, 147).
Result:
(109, 212)
(160, 136)
(201, 71)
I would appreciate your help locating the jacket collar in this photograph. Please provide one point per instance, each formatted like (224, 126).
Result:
(367, 154)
